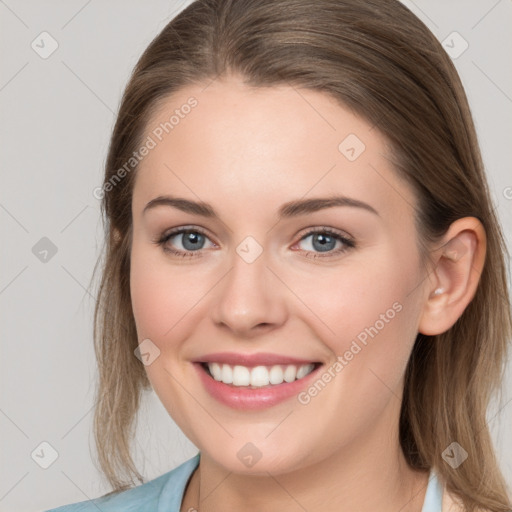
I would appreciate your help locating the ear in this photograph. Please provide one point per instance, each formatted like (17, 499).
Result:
(458, 264)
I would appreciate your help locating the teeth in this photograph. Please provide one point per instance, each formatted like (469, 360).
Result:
(226, 374)
(258, 376)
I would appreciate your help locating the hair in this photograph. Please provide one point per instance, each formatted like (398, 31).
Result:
(379, 60)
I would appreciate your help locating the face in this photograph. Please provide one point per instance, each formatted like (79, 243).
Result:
(336, 285)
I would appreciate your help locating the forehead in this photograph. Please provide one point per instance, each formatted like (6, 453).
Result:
(230, 141)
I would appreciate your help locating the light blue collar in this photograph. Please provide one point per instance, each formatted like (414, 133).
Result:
(434, 496)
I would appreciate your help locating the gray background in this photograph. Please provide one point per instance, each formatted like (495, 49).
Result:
(56, 117)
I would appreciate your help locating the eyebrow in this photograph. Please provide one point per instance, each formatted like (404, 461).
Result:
(287, 210)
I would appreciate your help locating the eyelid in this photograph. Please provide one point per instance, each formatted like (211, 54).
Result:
(328, 229)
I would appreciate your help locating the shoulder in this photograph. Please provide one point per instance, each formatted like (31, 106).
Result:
(143, 498)
(140, 498)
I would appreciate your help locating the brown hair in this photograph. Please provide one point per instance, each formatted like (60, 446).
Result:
(378, 59)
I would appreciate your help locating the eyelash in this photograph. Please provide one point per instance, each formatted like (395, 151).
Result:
(347, 242)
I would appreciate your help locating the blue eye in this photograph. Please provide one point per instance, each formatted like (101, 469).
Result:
(193, 239)
(324, 240)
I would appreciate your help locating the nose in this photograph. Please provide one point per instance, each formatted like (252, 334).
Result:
(249, 299)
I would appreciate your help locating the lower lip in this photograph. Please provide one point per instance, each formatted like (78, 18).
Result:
(257, 398)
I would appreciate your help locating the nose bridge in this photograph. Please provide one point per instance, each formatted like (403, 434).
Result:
(249, 295)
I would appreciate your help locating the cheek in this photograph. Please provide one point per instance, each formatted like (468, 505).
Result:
(162, 294)
(162, 297)
(152, 307)
(374, 331)
(367, 315)
(347, 301)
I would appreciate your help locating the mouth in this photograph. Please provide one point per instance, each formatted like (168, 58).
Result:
(257, 377)
(254, 382)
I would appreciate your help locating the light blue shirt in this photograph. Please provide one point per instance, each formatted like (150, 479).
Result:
(165, 494)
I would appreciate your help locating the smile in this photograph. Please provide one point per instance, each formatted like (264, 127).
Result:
(258, 376)
(258, 386)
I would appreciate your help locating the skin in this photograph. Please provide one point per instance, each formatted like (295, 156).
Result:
(246, 151)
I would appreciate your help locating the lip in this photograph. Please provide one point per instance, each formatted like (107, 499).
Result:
(254, 399)
(251, 360)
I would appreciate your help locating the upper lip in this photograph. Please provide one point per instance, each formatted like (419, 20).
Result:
(250, 360)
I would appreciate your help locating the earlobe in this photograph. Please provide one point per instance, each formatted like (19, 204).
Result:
(452, 285)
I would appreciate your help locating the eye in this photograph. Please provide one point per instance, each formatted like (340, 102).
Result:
(324, 240)
(192, 241)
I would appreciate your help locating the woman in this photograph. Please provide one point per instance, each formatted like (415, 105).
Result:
(334, 338)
